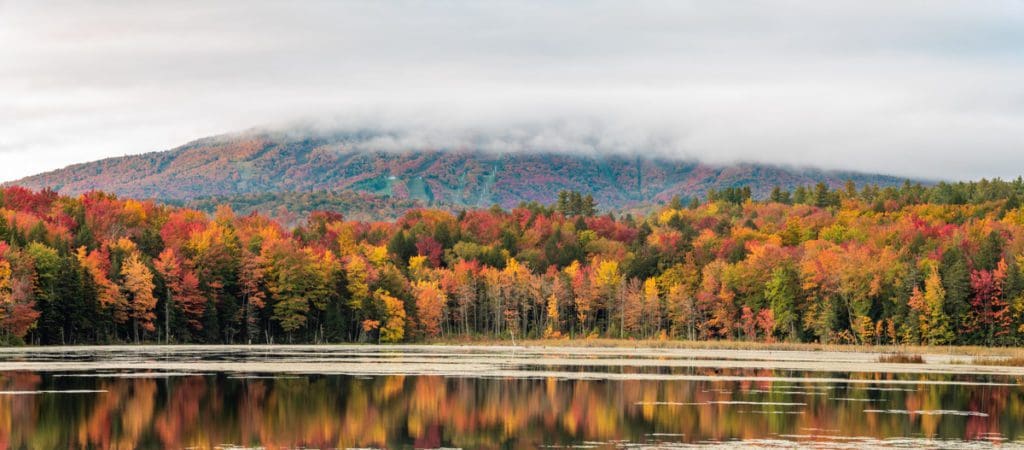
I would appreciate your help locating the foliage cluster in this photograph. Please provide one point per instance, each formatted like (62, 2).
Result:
(933, 265)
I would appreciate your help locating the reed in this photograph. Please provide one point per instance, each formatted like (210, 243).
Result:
(900, 358)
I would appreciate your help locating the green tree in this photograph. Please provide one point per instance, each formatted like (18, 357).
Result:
(781, 295)
(956, 282)
(52, 314)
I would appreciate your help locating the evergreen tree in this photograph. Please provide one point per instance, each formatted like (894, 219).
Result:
(779, 196)
(956, 282)
(822, 195)
(800, 195)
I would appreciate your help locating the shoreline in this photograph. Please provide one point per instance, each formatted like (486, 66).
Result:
(965, 351)
(526, 359)
(594, 344)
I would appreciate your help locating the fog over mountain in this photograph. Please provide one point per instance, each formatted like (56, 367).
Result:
(265, 169)
(920, 88)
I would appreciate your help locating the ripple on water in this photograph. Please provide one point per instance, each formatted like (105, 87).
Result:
(851, 399)
(131, 375)
(844, 443)
(764, 411)
(882, 389)
(721, 402)
(772, 391)
(55, 391)
(928, 412)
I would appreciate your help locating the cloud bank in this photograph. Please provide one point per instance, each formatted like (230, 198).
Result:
(927, 89)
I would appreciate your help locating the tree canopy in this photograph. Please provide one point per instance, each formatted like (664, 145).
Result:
(919, 264)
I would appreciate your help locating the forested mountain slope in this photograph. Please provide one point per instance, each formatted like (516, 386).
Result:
(258, 163)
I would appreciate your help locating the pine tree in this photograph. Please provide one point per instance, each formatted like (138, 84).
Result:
(779, 196)
(588, 207)
(822, 196)
(956, 281)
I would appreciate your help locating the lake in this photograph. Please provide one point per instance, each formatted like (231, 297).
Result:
(487, 397)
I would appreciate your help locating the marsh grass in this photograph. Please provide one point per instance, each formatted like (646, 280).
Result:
(965, 351)
(901, 358)
(1017, 361)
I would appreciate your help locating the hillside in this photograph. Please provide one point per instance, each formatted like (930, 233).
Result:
(291, 208)
(258, 163)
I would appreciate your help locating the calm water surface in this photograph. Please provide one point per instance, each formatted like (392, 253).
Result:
(160, 408)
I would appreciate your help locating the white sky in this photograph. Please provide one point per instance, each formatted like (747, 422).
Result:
(922, 88)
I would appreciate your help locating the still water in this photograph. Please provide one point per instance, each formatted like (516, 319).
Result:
(187, 400)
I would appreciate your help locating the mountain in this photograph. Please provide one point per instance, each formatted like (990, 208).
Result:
(292, 208)
(253, 164)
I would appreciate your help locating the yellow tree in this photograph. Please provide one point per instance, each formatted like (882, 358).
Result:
(820, 279)
(861, 275)
(6, 297)
(96, 264)
(679, 283)
(138, 284)
(418, 269)
(394, 320)
(347, 242)
(651, 307)
(552, 329)
(607, 281)
(356, 273)
(939, 331)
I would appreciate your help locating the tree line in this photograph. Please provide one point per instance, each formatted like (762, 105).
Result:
(935, 265)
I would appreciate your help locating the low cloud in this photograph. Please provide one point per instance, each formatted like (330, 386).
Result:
(926, 89)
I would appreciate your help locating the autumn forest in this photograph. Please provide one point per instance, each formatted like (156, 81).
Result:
(935, 265)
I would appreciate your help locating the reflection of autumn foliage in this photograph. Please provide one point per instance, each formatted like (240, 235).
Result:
(180, 412)
(432, 411)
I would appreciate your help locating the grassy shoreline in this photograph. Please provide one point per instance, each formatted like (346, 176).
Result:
(614, 343)
(966, 351)
(500, 358)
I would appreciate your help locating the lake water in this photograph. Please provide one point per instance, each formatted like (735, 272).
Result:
(357, 397)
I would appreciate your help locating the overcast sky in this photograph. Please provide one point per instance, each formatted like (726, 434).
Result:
(928, 89)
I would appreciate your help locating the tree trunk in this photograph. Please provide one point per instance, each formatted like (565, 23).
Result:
(167, 318)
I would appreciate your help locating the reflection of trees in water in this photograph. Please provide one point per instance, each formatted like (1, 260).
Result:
(430, 411)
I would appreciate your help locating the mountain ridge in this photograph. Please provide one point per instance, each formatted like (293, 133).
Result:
(258, 162)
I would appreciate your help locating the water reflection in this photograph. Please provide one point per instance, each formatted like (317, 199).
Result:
(178, 410)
